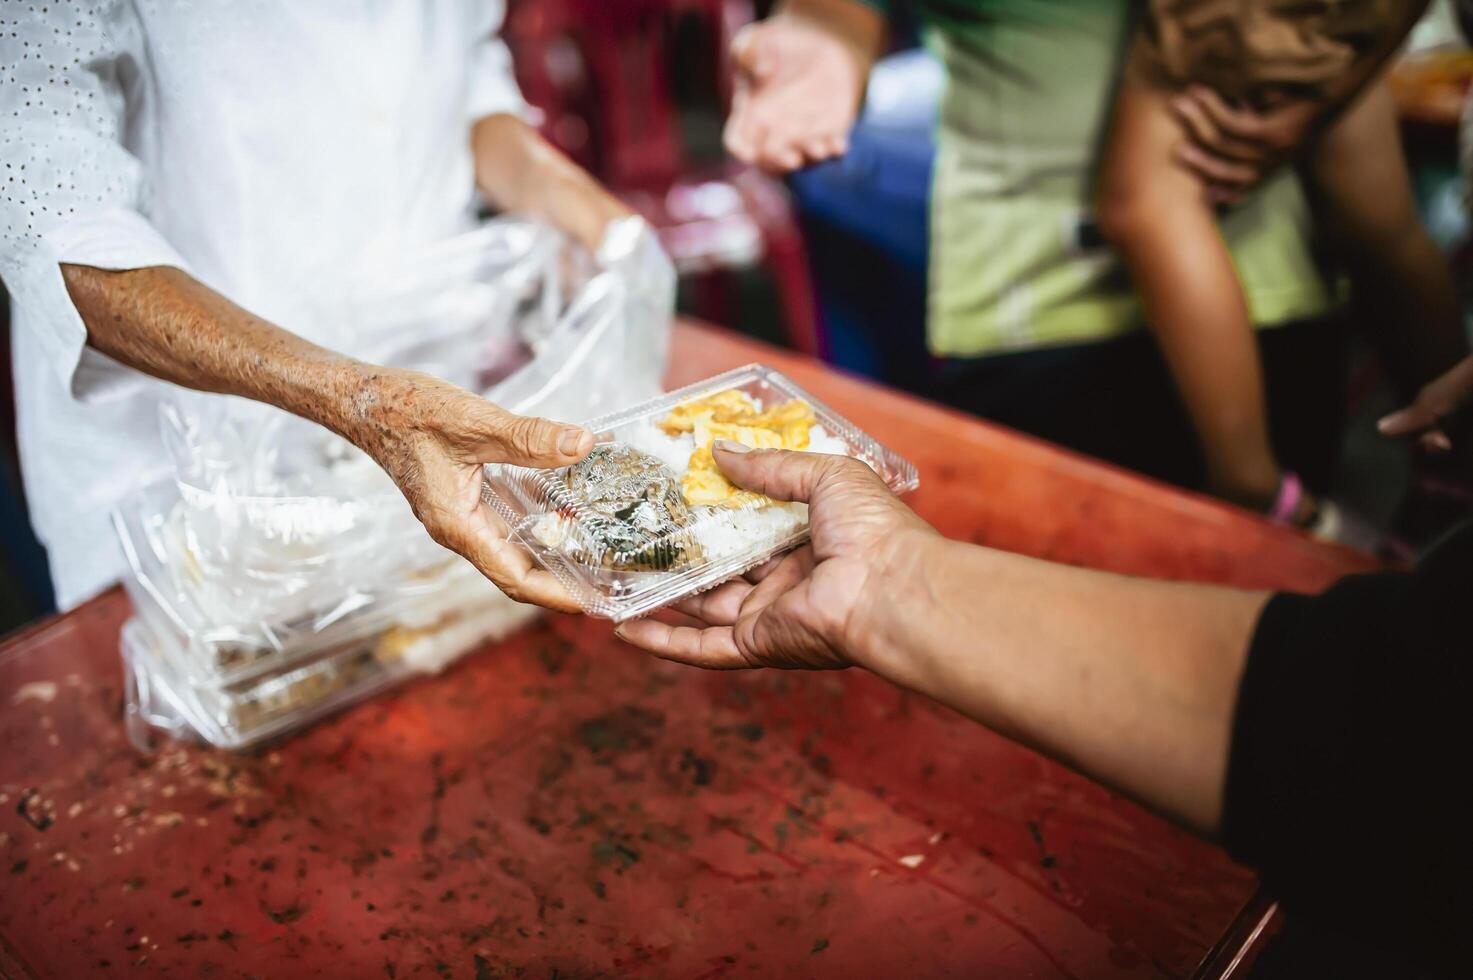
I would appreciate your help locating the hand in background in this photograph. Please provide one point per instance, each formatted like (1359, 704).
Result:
(798, 88)
(520, 171)
(809, 608)
(1438, 401)
(1233, 149)
(432, 438)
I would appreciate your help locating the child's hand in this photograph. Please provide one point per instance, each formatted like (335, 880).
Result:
(1234, 149)
(1435, 403)
(798, 91)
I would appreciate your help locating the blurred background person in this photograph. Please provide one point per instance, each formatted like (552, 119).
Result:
(1313, 68)
(1046, 321)
(1033, 320)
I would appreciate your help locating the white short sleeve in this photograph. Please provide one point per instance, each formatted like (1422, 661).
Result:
(70, 192)
(493, 84)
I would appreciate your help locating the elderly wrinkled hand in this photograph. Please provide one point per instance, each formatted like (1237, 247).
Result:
(809, 608)
(432, 438)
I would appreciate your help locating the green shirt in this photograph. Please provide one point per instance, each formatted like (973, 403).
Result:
(1025, 112)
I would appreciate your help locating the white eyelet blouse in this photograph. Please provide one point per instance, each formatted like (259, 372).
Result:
(268, 147)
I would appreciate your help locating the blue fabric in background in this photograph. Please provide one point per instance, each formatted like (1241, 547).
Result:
(865, 216)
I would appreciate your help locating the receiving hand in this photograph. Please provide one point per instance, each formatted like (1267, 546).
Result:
(432, 438)
(811, 607)
(797, 93)
(1233, 149)
(1440, 399)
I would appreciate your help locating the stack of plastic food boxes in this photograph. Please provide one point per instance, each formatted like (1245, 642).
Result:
(279, 574)
(234, 655)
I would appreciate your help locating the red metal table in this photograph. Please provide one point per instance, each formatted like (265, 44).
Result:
(561, 806)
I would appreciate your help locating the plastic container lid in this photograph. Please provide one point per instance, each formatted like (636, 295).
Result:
(255, 711)
(647, 518)
(247, 713)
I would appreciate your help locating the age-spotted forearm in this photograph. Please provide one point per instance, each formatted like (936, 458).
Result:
(165, 323)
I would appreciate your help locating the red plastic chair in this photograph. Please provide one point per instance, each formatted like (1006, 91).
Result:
(601, 73)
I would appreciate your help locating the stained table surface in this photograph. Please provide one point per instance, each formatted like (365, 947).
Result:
(559, 805)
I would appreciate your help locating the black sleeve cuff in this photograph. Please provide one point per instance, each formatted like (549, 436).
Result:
(1348, 783)
(1289, 773)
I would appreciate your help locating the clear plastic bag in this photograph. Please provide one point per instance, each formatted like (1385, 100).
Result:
(286, 517)
(647, 519)
(278, 543)
(225, 642)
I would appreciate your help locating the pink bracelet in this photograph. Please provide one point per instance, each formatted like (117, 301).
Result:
(1286, 502)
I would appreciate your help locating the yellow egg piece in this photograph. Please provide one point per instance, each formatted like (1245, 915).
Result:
(683, 416)
(735, 416)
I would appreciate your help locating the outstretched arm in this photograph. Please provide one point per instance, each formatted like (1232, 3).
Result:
(1295, 729)
(1131, 681)
(429, 435)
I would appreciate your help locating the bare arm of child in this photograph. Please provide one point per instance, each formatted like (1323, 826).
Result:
(1158, 216)
(1358, 181)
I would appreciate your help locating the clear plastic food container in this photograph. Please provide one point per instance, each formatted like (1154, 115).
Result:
(246, 713)
(647, 518)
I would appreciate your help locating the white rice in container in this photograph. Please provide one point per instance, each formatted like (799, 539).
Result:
(723, 532)
(673, 451)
